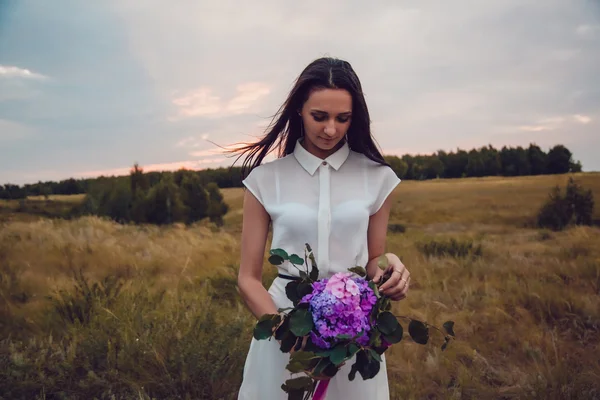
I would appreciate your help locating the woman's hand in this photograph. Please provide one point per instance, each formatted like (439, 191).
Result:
(397, 285)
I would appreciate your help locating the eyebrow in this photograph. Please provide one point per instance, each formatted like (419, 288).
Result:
(326, 113)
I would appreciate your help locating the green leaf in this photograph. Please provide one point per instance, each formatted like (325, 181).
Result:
(353, 371)
(294, 259)
(303, 382)
(291, 290)
(300, 361)
(267, 317)
(293, 394)
(263, 330)
(375, 355)
(321, 365)
(301, 323)
(418, 331)
(296, 367)
(375, 338)
(330, 370)
(360, 271)
(303, 356)
(367, 366)
(387, 323)
(338, 354)
(314, 273)
(276, 260)
(383, 261)
(352, 350)
(287, 342)
(395, 336)
(445, 344)
(304, 288)
(449, 327)
(284, 328)
(375, 289)
(279, 252)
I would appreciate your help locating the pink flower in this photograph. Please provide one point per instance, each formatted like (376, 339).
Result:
(352, 287)
(337, 284)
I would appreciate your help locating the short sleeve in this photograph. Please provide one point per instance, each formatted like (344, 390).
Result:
(383, 182)
(253, 184)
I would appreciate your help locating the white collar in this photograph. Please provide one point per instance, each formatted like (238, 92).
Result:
(310, 162)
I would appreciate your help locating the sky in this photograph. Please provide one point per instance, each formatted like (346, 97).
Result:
(89, 88)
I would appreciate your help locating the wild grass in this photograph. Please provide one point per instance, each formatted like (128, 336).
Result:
(93, 309)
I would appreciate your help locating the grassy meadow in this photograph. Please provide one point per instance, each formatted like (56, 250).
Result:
(90, 309)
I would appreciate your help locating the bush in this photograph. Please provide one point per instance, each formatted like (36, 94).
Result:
(450, 248)
(396, 228)
(576, 206)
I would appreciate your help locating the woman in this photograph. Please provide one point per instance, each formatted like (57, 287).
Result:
(329, 188)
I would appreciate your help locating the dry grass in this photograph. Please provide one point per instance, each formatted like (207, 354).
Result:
(527, 309)
(75, 198)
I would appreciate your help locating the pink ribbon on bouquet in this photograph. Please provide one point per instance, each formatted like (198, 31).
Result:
(321, 390)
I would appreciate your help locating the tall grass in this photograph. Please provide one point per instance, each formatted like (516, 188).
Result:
(91, 309)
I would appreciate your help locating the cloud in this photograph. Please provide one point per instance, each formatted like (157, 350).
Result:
(197, 103)
(249, 95)
(171, 166)
(203, 102)
(554, 123)
(583, 119)
(587, 30)
(8, 71)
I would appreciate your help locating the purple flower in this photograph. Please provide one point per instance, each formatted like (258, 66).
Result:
(340, 305)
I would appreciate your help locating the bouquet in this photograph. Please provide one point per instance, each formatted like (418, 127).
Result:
(333, 320)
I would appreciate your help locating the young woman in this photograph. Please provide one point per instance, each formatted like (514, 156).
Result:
(330, 188)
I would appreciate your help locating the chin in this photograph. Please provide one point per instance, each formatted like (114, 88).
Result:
(329, 144)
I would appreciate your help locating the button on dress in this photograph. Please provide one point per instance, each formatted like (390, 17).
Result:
(327, 204)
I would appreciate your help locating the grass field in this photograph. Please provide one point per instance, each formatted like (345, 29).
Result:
(92, 309)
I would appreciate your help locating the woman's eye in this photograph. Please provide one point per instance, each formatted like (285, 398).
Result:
(343, 120)
(319, 118)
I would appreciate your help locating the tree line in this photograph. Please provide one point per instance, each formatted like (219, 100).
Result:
(179, 196)
(222, 177)
(484, 161)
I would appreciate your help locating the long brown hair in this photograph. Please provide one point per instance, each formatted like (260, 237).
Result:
(286, 126)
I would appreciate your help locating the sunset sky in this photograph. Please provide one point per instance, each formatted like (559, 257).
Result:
(90, 87)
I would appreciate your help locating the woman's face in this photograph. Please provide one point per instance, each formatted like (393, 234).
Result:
(326, 117)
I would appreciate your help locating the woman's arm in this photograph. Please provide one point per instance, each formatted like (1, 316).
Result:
(255, 227)
(397, 286)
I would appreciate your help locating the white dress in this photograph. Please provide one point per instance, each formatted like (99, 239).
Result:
(327, 204)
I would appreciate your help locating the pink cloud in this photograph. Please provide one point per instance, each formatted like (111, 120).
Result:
(173, 166)
(202, 102)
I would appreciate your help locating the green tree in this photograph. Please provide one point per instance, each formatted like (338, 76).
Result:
(195, 198)
(398, 165)
(433, 168)
(537, 159)
(216, 206)
(164, 204)
(491, 161)
(119, 203)
(475, 165)
(138, 180)
(559, 160)
(515, 161)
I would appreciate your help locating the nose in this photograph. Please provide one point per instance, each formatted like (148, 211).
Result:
(330, 129)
